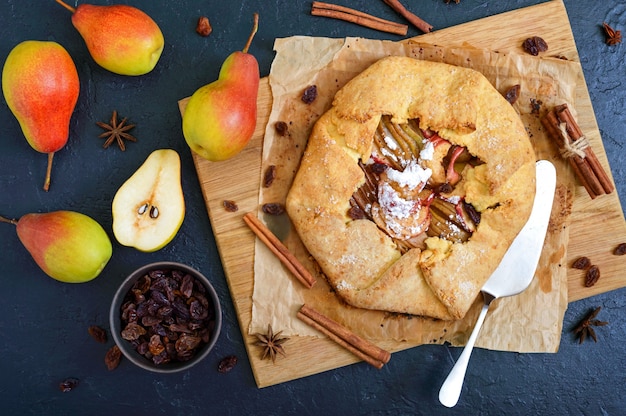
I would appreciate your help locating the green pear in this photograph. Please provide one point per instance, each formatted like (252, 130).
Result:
(149, 208)
(40, 85)
(120, 38)
(219, 118)
(68, 246)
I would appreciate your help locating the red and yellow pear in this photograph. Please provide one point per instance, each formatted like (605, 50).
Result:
(68, 246)
(40, 85)
(120, 38)
(219, 118)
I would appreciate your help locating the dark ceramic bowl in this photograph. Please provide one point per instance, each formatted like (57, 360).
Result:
(128, 348)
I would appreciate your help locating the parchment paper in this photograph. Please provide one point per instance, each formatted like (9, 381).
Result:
(529, 322)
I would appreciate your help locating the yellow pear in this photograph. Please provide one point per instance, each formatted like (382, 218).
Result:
(68, 246)
(149, 208)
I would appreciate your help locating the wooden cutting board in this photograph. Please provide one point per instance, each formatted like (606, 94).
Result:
(596, 226)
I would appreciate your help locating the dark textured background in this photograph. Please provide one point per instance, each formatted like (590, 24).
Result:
(43, 323)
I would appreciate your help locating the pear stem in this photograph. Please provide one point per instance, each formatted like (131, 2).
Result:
(255, 27)
(67, 6)
(8, 220)
(46, 184)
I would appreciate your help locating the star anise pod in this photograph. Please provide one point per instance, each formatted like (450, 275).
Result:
(272, 343)
(585, 329)
(613, 37)
(116, 132)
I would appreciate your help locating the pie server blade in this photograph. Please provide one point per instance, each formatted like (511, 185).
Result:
(514, 273)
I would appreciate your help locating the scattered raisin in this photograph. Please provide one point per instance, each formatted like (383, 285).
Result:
(534, 45)
(270, 175)
(581, 263)
(203, 28)
(592, 276)
(310, 94)
(620, 250)
(512, 94)
(227, 364)
(273, 208)
(281, 128)
(230, 206)
(68, 384)
(98, 334)
(113, 357)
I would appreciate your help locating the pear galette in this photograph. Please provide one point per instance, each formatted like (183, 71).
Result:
(413, 186)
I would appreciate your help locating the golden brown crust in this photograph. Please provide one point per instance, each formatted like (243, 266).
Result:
(361, 262)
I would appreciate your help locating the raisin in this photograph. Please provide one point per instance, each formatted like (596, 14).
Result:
(186, 287)
(310, 94)
(512, 94)
(534, 45)
(227, 363)
(113, 357)
(98, 334)
(356, 213)
(471, 212)
(445, 188)
(270, 175)
(68, 384)
(581, 263)
(378, 168)
(230, 206)
(281, 128)
(133, 331)
(203, 28)
(620, 250)
(273, 208)
(592, 276)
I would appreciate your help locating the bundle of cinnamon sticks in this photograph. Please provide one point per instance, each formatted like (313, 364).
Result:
(574, 146)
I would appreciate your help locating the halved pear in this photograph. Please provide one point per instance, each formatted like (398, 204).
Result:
(149, 207)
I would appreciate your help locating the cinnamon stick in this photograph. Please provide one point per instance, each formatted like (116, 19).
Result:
(354, 16)
(362, 348)
(280, 250)
(413, 19)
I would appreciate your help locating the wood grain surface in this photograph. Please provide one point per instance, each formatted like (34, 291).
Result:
(596, 228)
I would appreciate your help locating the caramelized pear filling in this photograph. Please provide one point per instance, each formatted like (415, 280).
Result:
(409, 188)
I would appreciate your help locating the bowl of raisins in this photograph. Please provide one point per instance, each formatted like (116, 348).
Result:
(165, 317)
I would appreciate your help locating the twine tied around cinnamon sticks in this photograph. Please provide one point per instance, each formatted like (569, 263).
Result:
(575, 147)
(572, 148)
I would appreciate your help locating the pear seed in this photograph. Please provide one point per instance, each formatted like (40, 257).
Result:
(142, 209)
(154, 212)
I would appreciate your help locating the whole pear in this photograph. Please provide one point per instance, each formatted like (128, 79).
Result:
(68, 246)
(120, 38)
(219, 118)
(149, 208)
(40, 85)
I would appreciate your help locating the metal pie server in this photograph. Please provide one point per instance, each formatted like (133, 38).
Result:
(512, 276)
